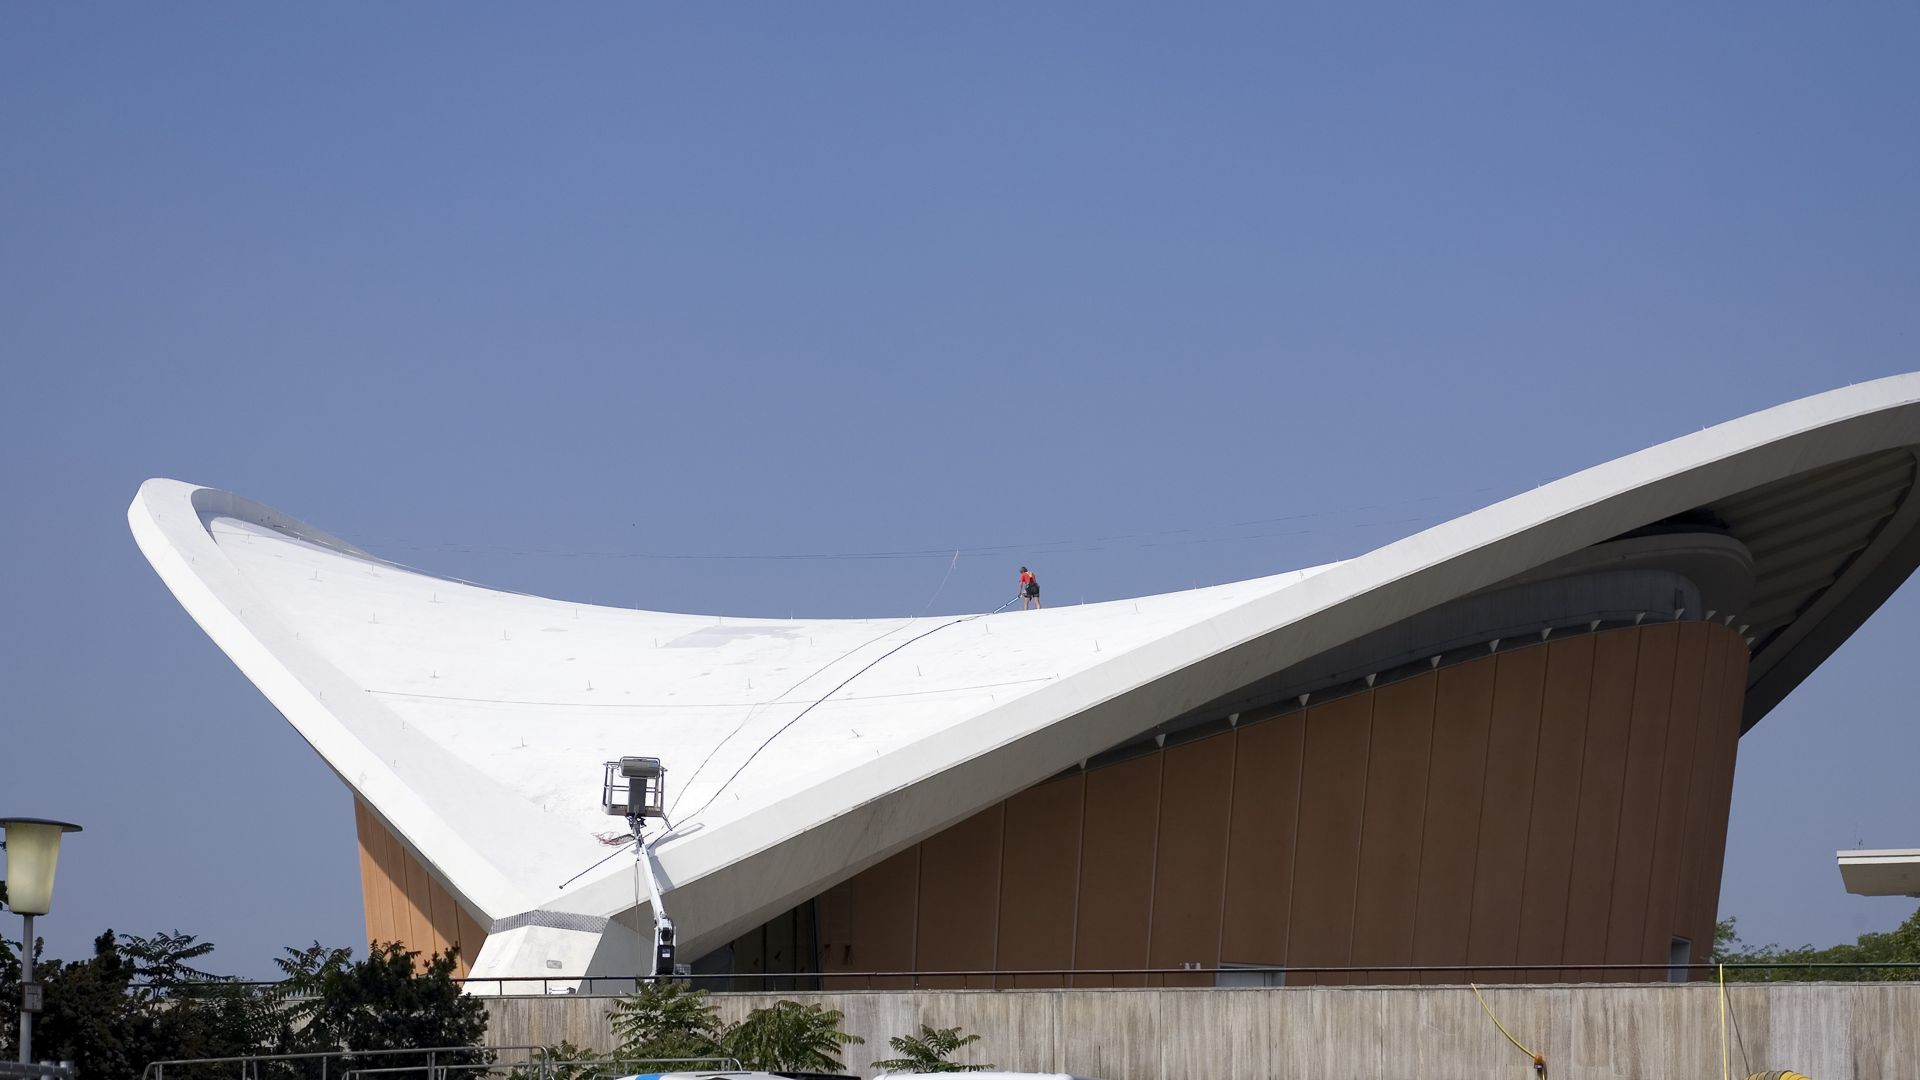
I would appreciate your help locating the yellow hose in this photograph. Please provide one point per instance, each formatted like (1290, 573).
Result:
(1539, 1063)
(1776, 1074)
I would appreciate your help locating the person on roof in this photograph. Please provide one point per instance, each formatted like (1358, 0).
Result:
(1029, 588)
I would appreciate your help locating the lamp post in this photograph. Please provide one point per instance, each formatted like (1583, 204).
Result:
(33, 852)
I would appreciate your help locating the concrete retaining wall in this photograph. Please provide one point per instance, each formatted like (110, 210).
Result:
(1830, 1031)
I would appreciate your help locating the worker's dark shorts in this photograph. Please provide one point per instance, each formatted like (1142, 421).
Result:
(1033, 590)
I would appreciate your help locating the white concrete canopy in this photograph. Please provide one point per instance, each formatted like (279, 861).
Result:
(474, 721)
(1889, 872)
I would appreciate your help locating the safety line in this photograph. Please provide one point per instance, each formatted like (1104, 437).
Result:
(781, 730)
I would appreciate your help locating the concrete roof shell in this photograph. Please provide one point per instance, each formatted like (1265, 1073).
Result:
(1883, 872)
(473, 721)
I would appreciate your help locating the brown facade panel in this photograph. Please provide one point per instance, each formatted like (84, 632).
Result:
(960, 900)
(1333, 786)
(373, 874)
(1393, 824)
(1727, 734)
(781, 946)
(1663, 922)
(403, 901)
(1640, 795)
(750, 959)
(1506, 803)
(398, 901)
(885, 902)
(1694, 889)
(1603, 766)
(1260, 840)
(835, 912)
(1556, 799)
(1462, 711)
(1557, 803)
(1040, 881)
(472, 936)
(1118, 845)
(1189, 882)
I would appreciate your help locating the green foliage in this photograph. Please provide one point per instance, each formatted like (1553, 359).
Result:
(564, 1062)
(139, 999)
(388, 1002)
(666, 1020)
(790, 1037)
(143, 999)
(928, 1051)
(673, 1020)
(1898, 946)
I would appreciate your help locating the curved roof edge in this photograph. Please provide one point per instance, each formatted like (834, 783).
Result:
(730, 878)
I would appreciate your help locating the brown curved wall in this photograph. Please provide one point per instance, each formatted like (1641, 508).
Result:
(404, 903)
(1558, 803)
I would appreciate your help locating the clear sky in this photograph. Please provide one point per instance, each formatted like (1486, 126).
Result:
(518, 294)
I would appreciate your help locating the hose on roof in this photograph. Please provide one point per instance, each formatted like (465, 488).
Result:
(781, 730)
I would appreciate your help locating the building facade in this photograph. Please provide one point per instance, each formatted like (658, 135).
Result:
(1507, 740)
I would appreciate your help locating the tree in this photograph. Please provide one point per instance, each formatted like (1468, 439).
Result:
(790, 1037)
(563, 1062)
(389, 1002)
(1901, 945)
(139, 999)
(666, 1020)
(928, 1051)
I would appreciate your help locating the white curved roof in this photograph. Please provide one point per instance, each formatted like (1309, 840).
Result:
(474, 721)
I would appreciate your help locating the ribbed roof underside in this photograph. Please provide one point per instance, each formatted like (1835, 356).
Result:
(1805, 531)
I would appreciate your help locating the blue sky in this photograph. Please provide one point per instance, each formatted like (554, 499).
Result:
(517, 294)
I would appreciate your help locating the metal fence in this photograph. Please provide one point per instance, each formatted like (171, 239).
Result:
(1237, 977)
(430, 1063)
(45, 1070)
(427, 1063)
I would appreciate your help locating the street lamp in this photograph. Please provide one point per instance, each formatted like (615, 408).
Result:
(33, 852)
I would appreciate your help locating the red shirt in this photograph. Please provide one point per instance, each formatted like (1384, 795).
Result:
(1026, 577)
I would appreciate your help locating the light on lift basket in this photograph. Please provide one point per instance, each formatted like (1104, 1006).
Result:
(635, 787)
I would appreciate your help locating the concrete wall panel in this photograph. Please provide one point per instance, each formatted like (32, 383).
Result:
(1831, 1030)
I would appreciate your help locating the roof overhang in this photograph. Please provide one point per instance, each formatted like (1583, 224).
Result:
(1894, 872)
(779, 839)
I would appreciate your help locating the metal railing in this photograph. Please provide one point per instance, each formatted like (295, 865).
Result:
(583, 1068)
(612, 1068)
(1352, 975)
(534, 1062)
(435, 1062)
(1316, 975)
(44, 1070)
